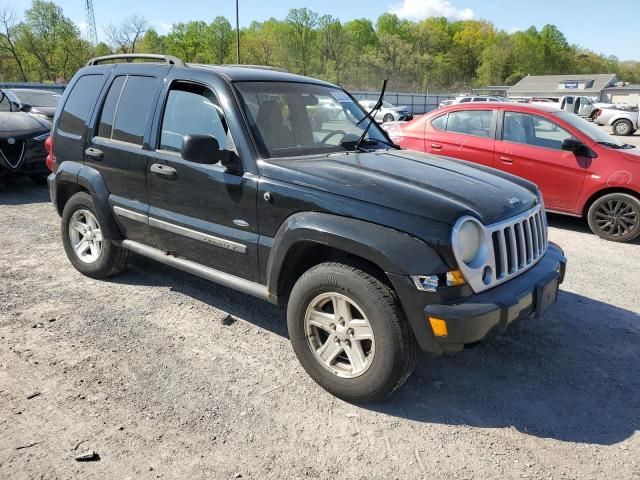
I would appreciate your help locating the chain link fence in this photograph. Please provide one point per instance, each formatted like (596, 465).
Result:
(418, 103)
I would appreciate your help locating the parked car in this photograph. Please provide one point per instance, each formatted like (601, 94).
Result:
(480, 98)
(447, 102)
(622, 122)
(580, 169)
(374, 251)
(388, 112)
(22, 138)
(36, 102)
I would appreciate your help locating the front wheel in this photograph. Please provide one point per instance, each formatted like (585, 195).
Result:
(615, 217)
(388, 118)
(82, 237)
(350, 333)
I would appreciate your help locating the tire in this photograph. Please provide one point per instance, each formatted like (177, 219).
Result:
(375, 326)
(622, 127)
(106, 259)
(615, 217)
(388, 118)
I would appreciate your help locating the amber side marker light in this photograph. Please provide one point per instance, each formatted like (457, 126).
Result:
(455, 278)
(439, 326)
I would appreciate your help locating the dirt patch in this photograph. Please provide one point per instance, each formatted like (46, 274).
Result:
(164, 375)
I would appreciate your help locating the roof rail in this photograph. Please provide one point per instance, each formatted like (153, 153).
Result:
(259, 67)
(129, 57)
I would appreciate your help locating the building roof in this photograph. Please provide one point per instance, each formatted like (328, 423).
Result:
(618, 88)
(549, 84)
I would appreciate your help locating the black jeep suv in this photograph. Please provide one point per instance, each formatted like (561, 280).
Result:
(225, 172)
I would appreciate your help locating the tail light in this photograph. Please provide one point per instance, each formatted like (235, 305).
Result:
(48, 145)
(598, 113)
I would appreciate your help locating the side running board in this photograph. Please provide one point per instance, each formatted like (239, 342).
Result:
(226, 279)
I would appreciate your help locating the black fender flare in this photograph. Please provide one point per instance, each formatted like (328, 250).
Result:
(391, 250)
(89, 179)
(397, 253)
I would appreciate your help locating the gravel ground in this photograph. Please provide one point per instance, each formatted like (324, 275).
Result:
(145, 370)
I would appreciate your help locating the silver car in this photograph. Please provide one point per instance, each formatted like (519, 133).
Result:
(622, 122)
(388, 112)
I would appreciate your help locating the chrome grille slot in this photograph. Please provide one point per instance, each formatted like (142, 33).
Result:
(514, 246)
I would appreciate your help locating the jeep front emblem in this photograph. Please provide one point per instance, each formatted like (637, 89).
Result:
(11, 141)
(513, 200)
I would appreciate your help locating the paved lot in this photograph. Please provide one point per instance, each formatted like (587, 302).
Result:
(143, 370)
(632, 139)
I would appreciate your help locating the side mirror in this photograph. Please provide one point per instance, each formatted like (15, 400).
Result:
(577, 147)
(203, 149)
(25, 107)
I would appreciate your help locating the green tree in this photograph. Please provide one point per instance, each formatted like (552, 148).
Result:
(220, 39)
(302, 23)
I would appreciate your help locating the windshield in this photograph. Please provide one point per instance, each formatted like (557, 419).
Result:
(292, 119)
(589, 129)
(38, 99)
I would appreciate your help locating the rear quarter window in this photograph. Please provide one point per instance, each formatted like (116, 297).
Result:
(440, 123)
(80, 101)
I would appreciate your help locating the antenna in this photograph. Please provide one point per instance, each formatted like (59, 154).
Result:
(92, 31)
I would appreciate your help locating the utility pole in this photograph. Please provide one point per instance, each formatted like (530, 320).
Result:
(237, 34)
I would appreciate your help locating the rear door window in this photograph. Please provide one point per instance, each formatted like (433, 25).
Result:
(77, 108)
(126, 110)
(440, 123)
(470, 122)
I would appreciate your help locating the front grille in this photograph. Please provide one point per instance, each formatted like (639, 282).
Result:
(12, 153)
(518, 244)
(511, 247)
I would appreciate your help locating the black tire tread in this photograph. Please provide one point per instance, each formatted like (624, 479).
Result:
(591, 212)
(119, 256)
(388, 300)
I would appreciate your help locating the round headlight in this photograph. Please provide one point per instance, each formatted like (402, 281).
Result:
(469, 241)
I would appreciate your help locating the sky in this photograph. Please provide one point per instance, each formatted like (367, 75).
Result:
(585, 22)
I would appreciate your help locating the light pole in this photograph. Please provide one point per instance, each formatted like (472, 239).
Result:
(237, 34)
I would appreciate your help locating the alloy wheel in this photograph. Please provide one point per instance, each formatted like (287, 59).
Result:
(85, 235)
(616, 218)
(339, 335)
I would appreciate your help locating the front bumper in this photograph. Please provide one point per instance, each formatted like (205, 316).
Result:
(479, 317)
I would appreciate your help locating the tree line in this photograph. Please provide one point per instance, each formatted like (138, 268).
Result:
(432, 55)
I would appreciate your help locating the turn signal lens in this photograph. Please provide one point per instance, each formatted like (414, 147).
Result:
(438, 326)
(455, 278)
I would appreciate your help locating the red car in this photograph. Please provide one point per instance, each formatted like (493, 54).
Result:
(580, 169)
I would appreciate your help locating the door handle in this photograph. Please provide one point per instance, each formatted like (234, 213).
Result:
(164, 171)
(94, 153)
(506, 159)
(436, 146)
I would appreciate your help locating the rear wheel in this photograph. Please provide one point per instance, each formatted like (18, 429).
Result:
(622, 127)
(349, 332)
(82, 237)
(387, 118)
(615, 217)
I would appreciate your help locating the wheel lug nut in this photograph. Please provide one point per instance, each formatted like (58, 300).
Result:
(347, 343)
(336, 339)
(350, 331)
(332, 326)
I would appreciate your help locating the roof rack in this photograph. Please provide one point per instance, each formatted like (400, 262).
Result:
(129, 57)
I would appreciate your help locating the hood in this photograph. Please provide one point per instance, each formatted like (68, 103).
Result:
(433, 187)
(632, 154)
(398, 109)
(18, 123)
(48, 111)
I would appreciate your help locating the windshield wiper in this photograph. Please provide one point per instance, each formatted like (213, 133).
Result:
(617, 146)
(371, 116)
